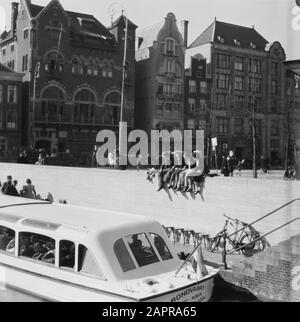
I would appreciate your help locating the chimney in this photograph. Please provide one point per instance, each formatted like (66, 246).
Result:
(185, 25)
(14, 16)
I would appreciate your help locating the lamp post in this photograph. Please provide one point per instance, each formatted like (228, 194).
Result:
(122, 107)
(35, 77)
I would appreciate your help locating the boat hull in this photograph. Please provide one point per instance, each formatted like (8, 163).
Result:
(20, 286)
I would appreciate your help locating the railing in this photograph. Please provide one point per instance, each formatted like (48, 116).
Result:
(267, 234)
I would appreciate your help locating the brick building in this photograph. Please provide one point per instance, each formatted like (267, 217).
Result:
(248, 75)
(10, 113)
(197, 96)
(160, 76)
(78, 85)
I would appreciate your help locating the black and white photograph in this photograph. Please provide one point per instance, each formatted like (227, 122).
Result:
(149, 153)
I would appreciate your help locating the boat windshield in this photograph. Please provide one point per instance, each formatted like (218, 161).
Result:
(146, 250)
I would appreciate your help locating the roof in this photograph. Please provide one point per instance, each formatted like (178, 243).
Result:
(67, 216)
(149, 35)
(95, 28)
(230, 33)
(122, 17)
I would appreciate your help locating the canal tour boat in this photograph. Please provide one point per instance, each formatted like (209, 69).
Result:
(73, 254)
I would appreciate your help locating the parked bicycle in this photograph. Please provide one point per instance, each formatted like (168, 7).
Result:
(246, 237)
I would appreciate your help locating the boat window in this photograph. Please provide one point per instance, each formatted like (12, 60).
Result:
(87, 263)
(37, 247)
(67, 254)
(142, 249)
(7, 240)
(161, 247)
(123, 256)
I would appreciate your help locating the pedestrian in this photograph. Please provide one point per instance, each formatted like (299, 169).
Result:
(6, 184)
(12, 189)
(28, 190)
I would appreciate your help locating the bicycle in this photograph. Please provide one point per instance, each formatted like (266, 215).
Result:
(246, 237)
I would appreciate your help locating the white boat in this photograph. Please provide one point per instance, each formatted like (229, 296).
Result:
(65, 253)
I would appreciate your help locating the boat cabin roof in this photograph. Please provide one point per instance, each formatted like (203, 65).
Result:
(65, 219)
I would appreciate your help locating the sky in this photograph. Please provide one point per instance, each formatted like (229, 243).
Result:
(273, 19)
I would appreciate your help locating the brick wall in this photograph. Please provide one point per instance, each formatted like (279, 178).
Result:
(269, 275)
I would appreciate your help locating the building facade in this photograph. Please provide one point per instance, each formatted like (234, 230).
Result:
(73, 73)
(10, 114)
(197, 97)
(248, 84)
(160, 76)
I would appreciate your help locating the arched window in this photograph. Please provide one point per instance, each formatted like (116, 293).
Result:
(112, 108)
(53, 103)
(84, 107)
(90, 68)
(54, 63)
(77, 68)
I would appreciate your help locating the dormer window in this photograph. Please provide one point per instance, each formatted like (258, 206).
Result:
(170, 46)
(221, 39)
(253, 45)
(237, 42)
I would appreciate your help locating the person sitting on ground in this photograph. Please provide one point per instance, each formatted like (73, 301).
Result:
(28, 190)
(12, 189)
(6, 184)
(194, 172)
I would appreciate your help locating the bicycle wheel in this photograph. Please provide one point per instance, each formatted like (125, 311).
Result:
(214, 244)
(251, 247)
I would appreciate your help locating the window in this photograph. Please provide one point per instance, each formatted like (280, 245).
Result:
(275, 68)
(168, 108)
(258, 127)
(191, 124)
(222, 125)
(169, 66)
(274, 106)
(90, 69)
(54, 64)
(3, 145)
(12, 94)
(87, 264)
(221, 101)
(177, 89)
(25, 34)
(1, 94)
(203, 87)
(53, 104)
(160, 88)
(202, 104)
(275, 144)
(84, 106)
(112, 108)
(54, 34)
(255, 85)
(142, 250)
(255, 66)
(123, 256)
(239, 126)
(160, 109)
(37, 247)
(67, 254)
(275, 131)
(238, 83)
(107, 70)
(77, 67)
(192, 105)
(238, 101)
(7, 240)
(170, 46)
(274, 87)
(223, 81)
(192, 86)
(25, 63)
(239, 64)
(11, 120)
(223, 61)
(4, 51)
(12, 48)
(168, 89)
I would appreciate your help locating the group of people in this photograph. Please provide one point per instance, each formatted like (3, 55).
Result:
(180, 172)
(10, 188)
